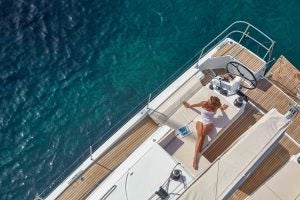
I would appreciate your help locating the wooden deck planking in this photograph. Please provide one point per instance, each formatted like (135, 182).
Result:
(206, 79)
(274, 161)
(267, 96)
(236, 50)
(241, 54)
(250, 116)
(80, 188)
(286, 76)
(225, 50)
(250, 60)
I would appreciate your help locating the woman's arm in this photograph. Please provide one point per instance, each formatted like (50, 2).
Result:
(224, 107)
(187, 105)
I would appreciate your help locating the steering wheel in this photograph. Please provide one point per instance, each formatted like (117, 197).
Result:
(237, 69)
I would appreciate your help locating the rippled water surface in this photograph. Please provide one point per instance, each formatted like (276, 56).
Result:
(70, 69)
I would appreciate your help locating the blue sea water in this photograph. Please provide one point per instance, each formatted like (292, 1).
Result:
(70, 69)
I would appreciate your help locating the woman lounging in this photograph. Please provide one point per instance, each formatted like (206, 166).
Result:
(205, 123)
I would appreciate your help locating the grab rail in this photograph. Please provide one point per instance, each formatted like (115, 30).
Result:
(212, 44)
(245, 34)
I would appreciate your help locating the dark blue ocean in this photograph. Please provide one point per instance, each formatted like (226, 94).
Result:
(70, 69)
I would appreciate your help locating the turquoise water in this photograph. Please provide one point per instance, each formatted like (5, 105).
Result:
(71, 69)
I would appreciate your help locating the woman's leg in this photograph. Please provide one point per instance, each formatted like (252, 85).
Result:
(199, 143)
(202, 131)
(207, 128)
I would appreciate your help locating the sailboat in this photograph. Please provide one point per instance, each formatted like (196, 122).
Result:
(252, 151)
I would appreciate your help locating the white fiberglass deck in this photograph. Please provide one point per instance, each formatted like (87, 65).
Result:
(147, 175)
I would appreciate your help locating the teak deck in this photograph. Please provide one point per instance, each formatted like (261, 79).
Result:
(286, 76)
(241, 54)
(80, 188)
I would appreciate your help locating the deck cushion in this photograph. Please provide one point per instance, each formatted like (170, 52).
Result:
(183, 148)
(222, 119)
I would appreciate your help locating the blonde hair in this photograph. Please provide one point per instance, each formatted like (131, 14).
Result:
(214, 101)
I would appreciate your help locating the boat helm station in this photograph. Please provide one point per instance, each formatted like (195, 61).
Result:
(238, 77)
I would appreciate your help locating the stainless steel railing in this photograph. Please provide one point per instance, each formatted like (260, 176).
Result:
(244, 29)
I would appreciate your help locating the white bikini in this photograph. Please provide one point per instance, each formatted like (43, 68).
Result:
(206, 117)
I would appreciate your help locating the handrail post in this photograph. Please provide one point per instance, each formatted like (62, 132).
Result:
(149, 99)
(201, 53)
(269, 51)
(91, 152)
(244, 33)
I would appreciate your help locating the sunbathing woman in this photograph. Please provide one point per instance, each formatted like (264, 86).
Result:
(205, 123)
